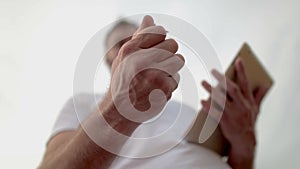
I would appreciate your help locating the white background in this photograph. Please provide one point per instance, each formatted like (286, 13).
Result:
(40, 42)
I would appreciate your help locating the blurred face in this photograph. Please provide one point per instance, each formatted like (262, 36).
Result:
(116, 39)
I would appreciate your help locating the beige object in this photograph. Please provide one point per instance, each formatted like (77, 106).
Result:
(257, 76)
(256, 73)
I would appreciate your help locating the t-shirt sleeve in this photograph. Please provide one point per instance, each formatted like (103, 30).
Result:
(74, 111)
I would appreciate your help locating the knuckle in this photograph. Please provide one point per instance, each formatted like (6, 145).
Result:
(166, 87)
(168, 91)
(126, 49)
(179, 63)
(182, 60)
(173, 44)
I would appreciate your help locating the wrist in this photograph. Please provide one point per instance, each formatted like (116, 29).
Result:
(114, 118)
(242, 152)
(238, 160)
(245, 142)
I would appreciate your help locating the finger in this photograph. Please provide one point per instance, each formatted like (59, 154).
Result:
(146, 22)
(172, 64)
(150, 36)
(230, 87)
(169, 45)
(223, 90)
(206, 86)
(219, 100)
(161, 81)
(176, 77)
(212, 111)
(243, 79)
(218, 97)
(173, 83)
(205, 105)
(259, 94)
(221, 78)
(168, 86)
(144, 40)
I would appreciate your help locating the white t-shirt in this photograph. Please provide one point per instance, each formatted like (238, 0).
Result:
(182, 155)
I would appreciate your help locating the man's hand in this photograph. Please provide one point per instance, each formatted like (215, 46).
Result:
(147, 48)
(145, 63)
(240, 107)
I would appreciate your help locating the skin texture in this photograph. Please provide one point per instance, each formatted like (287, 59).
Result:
(74, 149)
(146, 47)
(239, 114)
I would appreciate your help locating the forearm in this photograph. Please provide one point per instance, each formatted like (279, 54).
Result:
(82, 151)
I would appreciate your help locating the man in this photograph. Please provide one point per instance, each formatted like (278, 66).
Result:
(73, 148)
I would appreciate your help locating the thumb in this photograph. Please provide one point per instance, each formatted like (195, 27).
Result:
(147, 21)
(148, 34)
